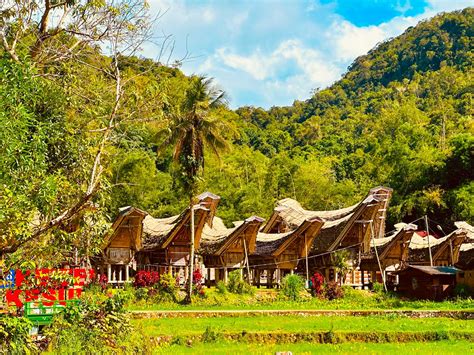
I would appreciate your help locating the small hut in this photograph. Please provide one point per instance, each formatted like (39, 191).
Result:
(121, 245)
(427, 282)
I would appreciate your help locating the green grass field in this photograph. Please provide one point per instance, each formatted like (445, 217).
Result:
(440, 347)
(300, 324)
(269, 300)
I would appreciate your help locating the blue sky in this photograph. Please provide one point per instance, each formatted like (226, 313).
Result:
(270, 53)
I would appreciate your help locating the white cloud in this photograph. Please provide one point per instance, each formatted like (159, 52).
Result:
(351, 41)
(291, 70)
(268, 54)
(256, 64)
(435, 6)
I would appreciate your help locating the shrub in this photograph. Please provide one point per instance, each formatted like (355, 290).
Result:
(463, 291)
(333, 291)
(377, 287)
(14, 335)
(210, 336)
(168, 284)
(95, 323)
(103, 281)
(146, 279)
(198, 290)
(141, 293)
(237, 285)
(292, 286)
(221, 287)
(317, 281)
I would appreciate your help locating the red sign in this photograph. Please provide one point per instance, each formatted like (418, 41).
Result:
(47, 286)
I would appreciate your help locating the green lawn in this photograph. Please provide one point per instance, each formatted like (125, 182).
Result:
(300, 324)
(440, 347)
(269, 300)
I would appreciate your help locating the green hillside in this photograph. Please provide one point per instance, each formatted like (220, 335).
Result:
(401, 116)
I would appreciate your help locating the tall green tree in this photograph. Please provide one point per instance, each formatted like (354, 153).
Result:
(191, 127)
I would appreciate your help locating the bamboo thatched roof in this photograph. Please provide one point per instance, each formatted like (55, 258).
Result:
(368, 214)
(159, 232)
(333, 233)
(419, 246)
(403, 233)
(273, 244)
(217, 238)
(289, 214)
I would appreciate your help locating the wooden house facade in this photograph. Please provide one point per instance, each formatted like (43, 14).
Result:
(121, 246)
(429, 282)
(167, 241)
(277, 254)
(224, 249)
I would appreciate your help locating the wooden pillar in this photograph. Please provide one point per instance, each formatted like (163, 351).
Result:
(120, 274)
(269, 278)
(362, 280)
(326, 274)
(257, 277)
(209, 277)
(109, 272)
(292, 272)
(127, 271)
(225, 275)
(241, 273)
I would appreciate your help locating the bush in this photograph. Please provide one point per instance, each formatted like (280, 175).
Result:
(317, 281)
(210, 336)
(292, 286)
(103, 281)
(95, 323)
(377, 287)
(168, 284)
(146, 279)
(198, 290)
(141, 293)
(221, 287)
(237, 285)
(333, 291)
(463, 291)
(14, 335)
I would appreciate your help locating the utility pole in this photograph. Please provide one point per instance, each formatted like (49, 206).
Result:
(307, 267)
(191, 257)
(428, 236)
(246, 259)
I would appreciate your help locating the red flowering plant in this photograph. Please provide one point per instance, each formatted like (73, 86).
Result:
(317, 281)
(198, 290)
(103, 281)
(146, 279)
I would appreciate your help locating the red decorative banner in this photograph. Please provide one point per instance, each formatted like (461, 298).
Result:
(47, 285)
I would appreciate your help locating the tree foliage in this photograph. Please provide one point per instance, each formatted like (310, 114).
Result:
(401, 116)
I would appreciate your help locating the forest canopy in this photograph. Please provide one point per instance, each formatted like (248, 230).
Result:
(82, 131)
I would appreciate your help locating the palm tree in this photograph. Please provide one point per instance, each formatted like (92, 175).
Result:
(191, 127)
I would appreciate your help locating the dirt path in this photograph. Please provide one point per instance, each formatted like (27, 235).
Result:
(458, 314)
